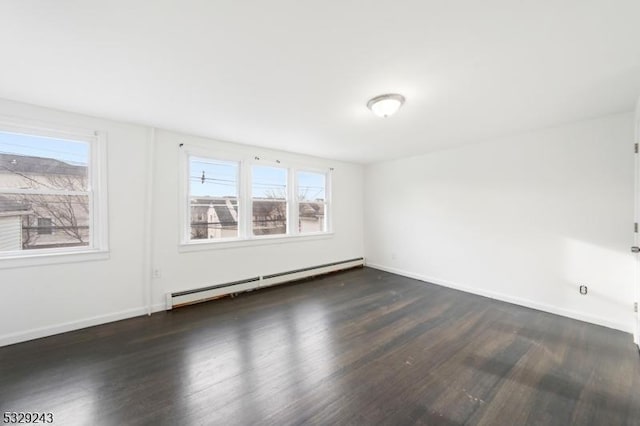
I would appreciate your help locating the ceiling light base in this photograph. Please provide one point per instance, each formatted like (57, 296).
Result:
(386, 105)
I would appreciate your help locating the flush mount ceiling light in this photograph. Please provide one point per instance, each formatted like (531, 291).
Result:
(386, 105)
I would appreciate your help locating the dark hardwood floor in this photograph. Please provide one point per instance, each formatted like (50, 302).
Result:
(360, 347)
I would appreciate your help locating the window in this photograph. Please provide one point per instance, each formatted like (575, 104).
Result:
(44, 226)
(312, 203)
(251, 199)
(213, 195)
(48, 199)
(269, 200)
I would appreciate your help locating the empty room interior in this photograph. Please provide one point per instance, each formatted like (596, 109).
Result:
(326, 213)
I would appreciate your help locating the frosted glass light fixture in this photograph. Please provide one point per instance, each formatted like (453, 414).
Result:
(386, 105)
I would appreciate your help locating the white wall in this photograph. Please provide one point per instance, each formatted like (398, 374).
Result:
(42, 300)
(524, 219)
(48, 299)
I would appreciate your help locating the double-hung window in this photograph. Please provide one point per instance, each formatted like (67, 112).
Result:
(249, 199)
(213, 199)
(48, 192)
(269, 200)
(312, 202)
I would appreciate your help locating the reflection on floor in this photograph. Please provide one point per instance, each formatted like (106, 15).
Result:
(358, 347)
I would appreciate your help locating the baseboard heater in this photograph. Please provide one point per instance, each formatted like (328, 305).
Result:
(189, 297)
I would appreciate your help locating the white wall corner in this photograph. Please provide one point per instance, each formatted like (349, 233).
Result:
(557, 310)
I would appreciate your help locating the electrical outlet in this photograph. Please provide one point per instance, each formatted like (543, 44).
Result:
(156, 273)
(394, 256)
(583, 289)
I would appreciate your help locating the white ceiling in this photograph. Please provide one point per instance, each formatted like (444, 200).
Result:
(296, 75)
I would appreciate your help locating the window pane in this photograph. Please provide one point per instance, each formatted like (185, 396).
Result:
(45, 226)
(214, 218)
(269, 217)
(311, 186)
(34, 221)
(269, 183)
(35, 162)
(213, 198)
(311, 202)
(269, 192)
(311, 217)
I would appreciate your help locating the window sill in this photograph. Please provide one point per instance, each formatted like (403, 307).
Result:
(258, 241)
(52, 258)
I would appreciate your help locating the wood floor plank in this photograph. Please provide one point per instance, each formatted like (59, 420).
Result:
(360, 347)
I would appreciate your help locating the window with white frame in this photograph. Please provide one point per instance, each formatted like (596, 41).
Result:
(312, 201)
(213, 199)
(269, 196)
(242, 199)
(48, 199)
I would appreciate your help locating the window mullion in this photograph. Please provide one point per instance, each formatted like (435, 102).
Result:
(94, 241)
(328, 208)
(292, 202)
(185, 198)
(247, 201)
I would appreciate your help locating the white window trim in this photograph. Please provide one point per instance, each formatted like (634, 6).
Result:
(245, 232)
(53, 258)
(327, 197)
(98, 248)
(253, 242)
(184, 192)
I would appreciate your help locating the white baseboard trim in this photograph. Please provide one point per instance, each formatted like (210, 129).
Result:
(509, 299)
(36, 333)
